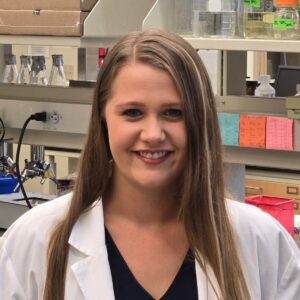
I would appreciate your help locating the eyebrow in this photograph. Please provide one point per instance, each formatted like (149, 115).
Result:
(139, 104)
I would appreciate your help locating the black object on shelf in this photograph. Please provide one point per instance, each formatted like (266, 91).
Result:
(82, 83)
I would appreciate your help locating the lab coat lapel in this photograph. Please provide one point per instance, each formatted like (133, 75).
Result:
(91, 271)
(205, 289)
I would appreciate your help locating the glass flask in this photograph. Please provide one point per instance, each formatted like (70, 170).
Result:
(57, 74)
(38, 71)
(25, 69)
(10, 72)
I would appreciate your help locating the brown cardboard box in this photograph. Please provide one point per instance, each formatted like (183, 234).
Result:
(46, 22)
(83, 5)
(273, 188)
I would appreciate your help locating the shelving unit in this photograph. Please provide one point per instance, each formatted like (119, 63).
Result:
(105, 25)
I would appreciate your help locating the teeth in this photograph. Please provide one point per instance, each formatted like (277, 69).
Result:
(153, 155)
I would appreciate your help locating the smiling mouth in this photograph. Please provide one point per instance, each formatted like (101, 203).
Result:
(153, 155)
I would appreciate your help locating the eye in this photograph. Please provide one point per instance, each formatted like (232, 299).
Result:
(173, 113)
(132, 113)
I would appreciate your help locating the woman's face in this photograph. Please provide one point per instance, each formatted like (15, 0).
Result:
(146, 128)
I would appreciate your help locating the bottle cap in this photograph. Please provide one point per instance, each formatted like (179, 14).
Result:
(25, 60)
(57, 60)
(286, 2)
(10, 59)
(102, 52)
(264, 78)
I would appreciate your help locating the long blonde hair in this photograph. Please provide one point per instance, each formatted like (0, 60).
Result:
(202, 200)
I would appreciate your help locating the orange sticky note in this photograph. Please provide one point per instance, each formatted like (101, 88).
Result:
(252, 131)
(279, 133)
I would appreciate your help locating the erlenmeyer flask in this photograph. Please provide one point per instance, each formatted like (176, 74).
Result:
(38, 71)
(57, 74)
(10, 72)
(24, 72)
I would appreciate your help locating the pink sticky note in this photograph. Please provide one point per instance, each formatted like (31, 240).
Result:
(279, 133)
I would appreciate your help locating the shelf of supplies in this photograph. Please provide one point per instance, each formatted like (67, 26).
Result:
(245, 44)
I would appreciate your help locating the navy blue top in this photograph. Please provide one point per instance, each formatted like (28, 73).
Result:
(127, 287)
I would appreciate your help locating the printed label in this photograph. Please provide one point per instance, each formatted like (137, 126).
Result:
(283, 23)
(252, 3)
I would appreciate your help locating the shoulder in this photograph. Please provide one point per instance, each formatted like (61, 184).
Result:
(33, 228)
(23, 250)
(269, 256)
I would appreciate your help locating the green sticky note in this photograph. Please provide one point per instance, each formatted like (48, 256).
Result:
(252, 3)
(229, 124)
(283, 23)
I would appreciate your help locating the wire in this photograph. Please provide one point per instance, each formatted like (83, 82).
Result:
(17, 162)
(42, 116)
(3, 130)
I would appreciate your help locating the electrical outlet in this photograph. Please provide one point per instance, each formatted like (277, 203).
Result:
(53, 117)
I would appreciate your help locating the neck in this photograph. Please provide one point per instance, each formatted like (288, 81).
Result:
(153, 207)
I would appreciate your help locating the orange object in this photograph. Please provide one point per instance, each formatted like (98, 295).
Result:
(286, 2)
(252, 131)
(282, 209)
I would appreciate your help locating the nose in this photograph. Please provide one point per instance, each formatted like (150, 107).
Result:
(153, 131)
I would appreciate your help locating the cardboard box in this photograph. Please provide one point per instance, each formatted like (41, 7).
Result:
(46, 22)
(276, 189)
(83, 5)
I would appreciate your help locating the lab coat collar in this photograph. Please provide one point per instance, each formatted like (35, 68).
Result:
(92, 271)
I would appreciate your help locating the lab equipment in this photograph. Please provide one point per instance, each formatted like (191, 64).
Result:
(10, 72)
(38, 71)
(25, 69)
(264, 89)
(57, 74)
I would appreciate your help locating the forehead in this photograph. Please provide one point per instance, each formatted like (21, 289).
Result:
(139, 80)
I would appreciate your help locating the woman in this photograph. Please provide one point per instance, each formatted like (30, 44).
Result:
(148, 219)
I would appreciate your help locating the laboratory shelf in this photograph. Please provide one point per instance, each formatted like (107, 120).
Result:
(245, 44)
(74, 95)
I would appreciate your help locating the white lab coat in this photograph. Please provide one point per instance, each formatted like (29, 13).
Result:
(270, 258)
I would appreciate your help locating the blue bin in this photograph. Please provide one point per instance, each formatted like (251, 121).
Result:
(8, 184)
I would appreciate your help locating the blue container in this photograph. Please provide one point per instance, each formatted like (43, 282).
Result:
(8, 184)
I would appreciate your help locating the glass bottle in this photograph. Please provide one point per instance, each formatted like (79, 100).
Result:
(38, 71)
(57, 74)
(258, 19)
(183, 16)
(286, 21)
(201, 19)
(25, 69)
(226, 19)
(214, 18)
(10, 72)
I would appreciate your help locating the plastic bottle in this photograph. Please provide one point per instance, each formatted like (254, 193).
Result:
(10, 72)
(38, 71)
(258, 19)
(25, 69)
(298, 90)
(57, 74)
(264, 89)
(286, 21)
